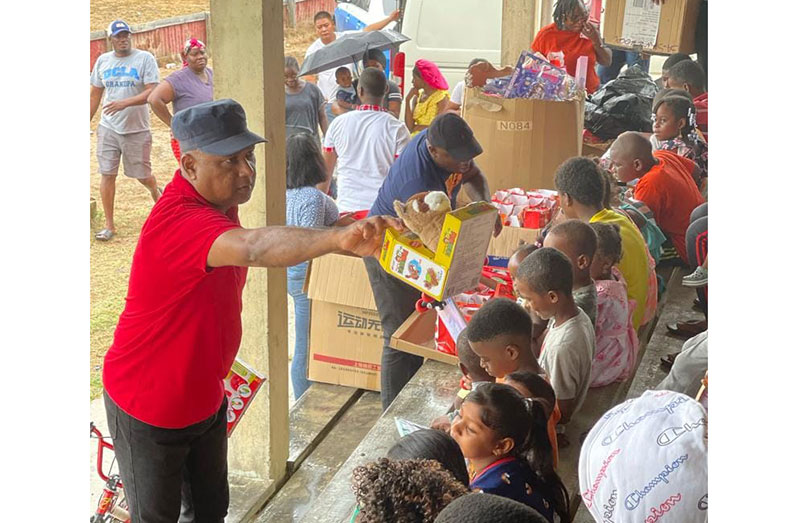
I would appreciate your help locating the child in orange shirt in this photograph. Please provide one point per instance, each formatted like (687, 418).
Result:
(666, 184)
(565, 36)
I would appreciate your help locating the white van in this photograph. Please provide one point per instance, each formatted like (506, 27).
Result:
(449, 33)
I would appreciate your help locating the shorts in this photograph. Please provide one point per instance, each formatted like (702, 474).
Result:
(134, 148)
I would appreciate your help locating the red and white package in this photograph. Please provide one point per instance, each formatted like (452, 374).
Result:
(240, 387)
(528, 209)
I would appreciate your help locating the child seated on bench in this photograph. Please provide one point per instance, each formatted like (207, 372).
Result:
(412, 490)
(616, 338)
(538, 325)
(675, 129)
(535, 386)
(577, 241)
(504, 438)
(666, 184)
(432, 444)
(545, 280)
(690, 76)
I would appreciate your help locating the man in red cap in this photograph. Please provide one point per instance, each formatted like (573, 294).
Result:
(181, 327)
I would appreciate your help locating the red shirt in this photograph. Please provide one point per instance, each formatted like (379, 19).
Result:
(550, 39)
(702, 114)
(179, 333)
(671, 193)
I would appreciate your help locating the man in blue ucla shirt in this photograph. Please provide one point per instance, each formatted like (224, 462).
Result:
(125, 76)
(440, 158)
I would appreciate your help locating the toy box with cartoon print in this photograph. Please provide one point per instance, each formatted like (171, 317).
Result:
(456, 264)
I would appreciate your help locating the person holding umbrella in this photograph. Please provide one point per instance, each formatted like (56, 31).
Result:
(325, 29)
(428, 98)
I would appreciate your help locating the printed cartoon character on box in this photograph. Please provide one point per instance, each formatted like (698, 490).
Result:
(413, 270)
(400, 259)
(431, 279)
(448, 242)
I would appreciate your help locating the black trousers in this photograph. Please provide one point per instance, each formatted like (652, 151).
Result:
(154, 462)
(395, 301)
(697, 243)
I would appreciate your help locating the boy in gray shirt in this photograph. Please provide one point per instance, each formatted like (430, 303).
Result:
(577, 240)
(123, 79)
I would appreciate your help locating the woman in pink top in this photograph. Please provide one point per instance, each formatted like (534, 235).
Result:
(616, 339)
(191, 85)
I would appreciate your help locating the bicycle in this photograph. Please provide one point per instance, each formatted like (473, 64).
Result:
(112, 506)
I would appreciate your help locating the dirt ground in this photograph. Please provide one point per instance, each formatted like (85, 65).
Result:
(110, 261)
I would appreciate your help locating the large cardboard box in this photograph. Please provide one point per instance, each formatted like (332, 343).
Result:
(675, 34)
(417, 336)
(456, 264)
(510, 239)
(345, 344)
(523, 140)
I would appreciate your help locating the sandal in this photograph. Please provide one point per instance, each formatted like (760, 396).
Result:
(668, 359)
(104, 235)
(687, 329)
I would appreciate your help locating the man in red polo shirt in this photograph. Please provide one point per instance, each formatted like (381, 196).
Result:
(181, 327)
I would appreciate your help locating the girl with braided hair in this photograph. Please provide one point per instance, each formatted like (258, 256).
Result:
(406, 491)
(505, 438)
(572, 35)
(674, 116)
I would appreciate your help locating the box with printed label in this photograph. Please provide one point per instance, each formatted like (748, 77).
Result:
(456, 264)
(644, 26)
(345, 344)
(523, 140)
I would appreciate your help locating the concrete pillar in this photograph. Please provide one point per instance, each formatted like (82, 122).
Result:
(247, 50)
(519, 22)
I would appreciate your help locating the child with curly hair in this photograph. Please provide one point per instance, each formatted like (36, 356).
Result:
(616, 337)
(410, 491)
(504, 437)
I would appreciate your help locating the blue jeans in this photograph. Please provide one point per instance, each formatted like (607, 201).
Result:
(619, 58)
(299, 365)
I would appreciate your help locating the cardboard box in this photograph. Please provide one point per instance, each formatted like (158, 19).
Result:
(676, 32)
(417, 336)
(523, 140)
(345, 345)
(510, 239)
(456, 264)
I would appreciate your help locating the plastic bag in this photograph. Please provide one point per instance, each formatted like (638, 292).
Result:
(623, 104)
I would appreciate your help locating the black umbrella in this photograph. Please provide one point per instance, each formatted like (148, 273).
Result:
(350, 48)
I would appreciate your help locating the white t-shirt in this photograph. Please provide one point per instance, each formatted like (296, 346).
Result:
(567, 357)
(123, 77)
(457, 93)
(326, 80)
(367, 142)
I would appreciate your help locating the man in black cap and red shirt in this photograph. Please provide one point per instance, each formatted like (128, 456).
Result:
(181, 327)
(439, 158)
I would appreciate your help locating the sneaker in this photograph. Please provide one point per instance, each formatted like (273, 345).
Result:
(699, 278)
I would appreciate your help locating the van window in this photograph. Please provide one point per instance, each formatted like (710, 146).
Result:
(445, 25)
(363, 4)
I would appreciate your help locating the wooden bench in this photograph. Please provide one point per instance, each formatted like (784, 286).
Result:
(426, 396)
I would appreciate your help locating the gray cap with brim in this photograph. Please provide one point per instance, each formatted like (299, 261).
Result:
(218, 128)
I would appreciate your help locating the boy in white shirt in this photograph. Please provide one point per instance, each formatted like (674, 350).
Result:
(545, 280)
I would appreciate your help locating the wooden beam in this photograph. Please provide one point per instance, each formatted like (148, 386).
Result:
(248, 67)
(519, 21)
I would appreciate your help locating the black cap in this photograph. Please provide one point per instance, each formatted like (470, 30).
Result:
(452, 134)
(218, 128)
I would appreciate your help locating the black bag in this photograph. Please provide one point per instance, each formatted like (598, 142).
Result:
(623, 104)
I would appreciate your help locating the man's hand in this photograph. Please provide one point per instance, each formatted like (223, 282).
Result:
(498, 226)
(364, 237)
(395, 15)
(114, 107)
